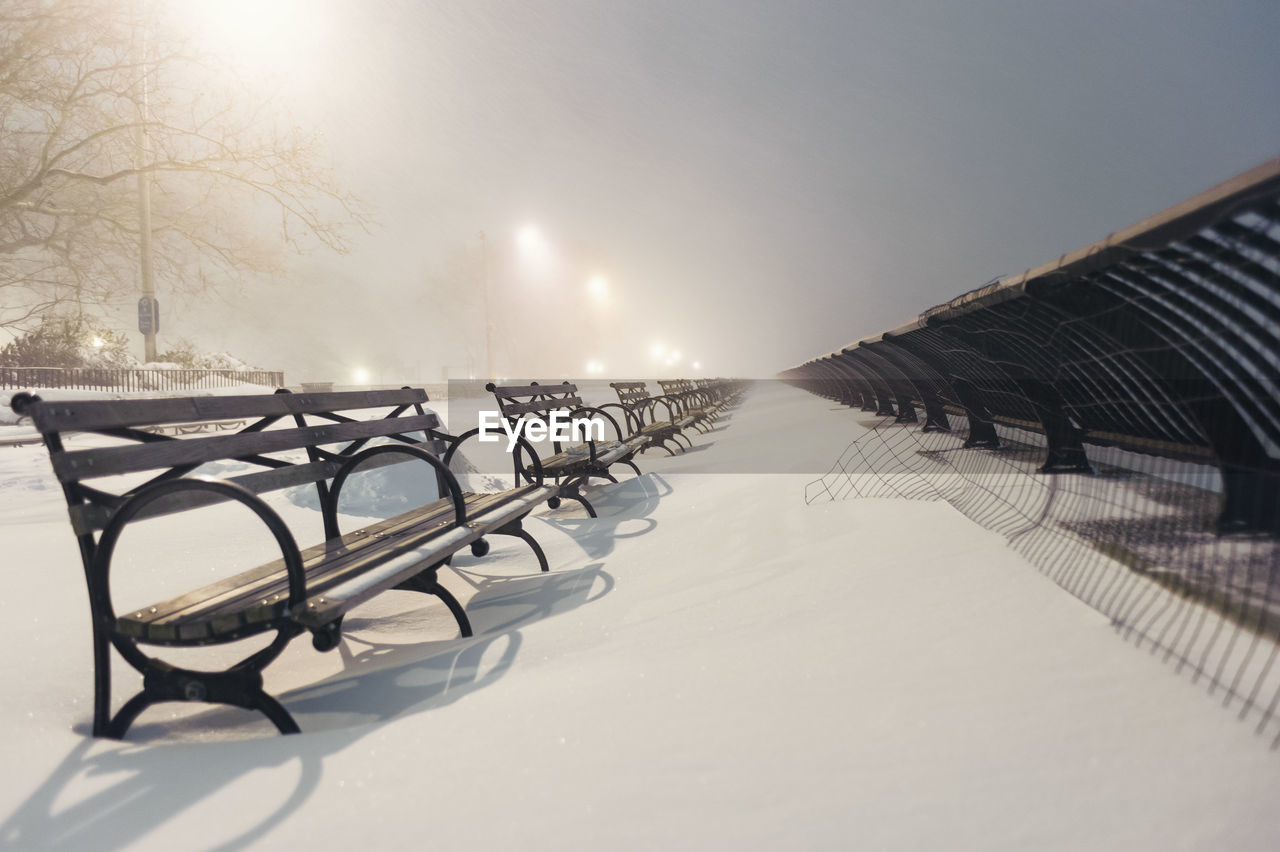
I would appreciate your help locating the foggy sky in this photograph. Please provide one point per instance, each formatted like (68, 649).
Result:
(760, 182)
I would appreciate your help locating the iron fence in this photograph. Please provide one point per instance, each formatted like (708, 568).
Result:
(132, 379)
(1116, 415)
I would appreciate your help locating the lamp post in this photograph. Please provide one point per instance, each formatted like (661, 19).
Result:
(488, 317)
(148, 315)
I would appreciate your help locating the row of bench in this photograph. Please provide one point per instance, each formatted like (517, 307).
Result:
(642, 422)
(320, 441)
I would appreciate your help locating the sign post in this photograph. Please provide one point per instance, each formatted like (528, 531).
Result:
(148, 316)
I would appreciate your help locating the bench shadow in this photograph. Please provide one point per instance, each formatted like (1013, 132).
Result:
(142, 785)
(623, 512)
(696, 448)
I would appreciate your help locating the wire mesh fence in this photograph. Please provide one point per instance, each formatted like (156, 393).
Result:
(1116, 416)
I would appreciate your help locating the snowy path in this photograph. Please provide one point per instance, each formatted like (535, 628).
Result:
(712, 664)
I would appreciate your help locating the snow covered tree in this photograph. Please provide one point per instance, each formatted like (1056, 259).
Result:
(74, 341)
(98, 110)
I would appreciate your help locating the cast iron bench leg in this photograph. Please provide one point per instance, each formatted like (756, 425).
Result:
(428, 583)
(239, 686)
(516, 530)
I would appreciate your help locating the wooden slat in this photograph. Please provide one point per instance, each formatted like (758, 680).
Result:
(88, 464)
(530, 390)
(234, 605)
(341, 598)
(90, 517)
(59, 416)
(324, 564)
(541, 406)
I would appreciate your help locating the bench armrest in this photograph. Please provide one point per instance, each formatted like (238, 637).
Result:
(525, 446)
(100, 573)
(330, 508)
(628, 416)
(672, 404)
(617, 430)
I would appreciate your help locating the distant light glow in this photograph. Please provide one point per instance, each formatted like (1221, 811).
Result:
(696, 365)
(675, 357)
(658, 351)
(598, 288)
(361, 375)
(595, 367)
(530, 240)
(280, 36)
(98, 343)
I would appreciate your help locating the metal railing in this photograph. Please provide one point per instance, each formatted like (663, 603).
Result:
(133, 379)
(1116, 415)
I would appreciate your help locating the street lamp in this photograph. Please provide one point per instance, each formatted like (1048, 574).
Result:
(488, 317)
(148, 313)
(533, 249)
(598, 288)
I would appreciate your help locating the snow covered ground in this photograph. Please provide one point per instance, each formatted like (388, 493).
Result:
(710, 664)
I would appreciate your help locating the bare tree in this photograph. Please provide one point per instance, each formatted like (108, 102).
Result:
(91, 102)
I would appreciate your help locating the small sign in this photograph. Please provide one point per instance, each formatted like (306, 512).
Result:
(148, 316)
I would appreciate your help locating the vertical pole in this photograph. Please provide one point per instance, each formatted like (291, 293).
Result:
(144, 187)
(488, 318)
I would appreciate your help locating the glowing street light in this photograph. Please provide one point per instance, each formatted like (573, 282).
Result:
(598, 288)
(531, 242)
(361, 375)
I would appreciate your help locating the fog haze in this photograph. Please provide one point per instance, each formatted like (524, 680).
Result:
(757, 182)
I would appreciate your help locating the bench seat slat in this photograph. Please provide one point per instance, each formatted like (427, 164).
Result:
(233, 595)
(255, 600)
(55, 416)
(605, 454)
(320, 562)
(109, 461)
(341, 598)
(351, 592)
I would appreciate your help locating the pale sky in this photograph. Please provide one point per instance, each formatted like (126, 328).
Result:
(757, 182)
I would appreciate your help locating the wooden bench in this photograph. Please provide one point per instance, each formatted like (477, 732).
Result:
(645, 416)
(317, 439)
(570, 465)
(722, 393)
(696, 404)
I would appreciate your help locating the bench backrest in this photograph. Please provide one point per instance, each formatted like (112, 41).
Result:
(631, 394)
(281, 423)
(534, 400)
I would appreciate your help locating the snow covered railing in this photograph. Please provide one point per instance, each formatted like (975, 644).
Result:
(1163, 339)
(134, 378)
(1116, 415)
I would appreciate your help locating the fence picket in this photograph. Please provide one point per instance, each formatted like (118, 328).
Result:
(128, 379)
